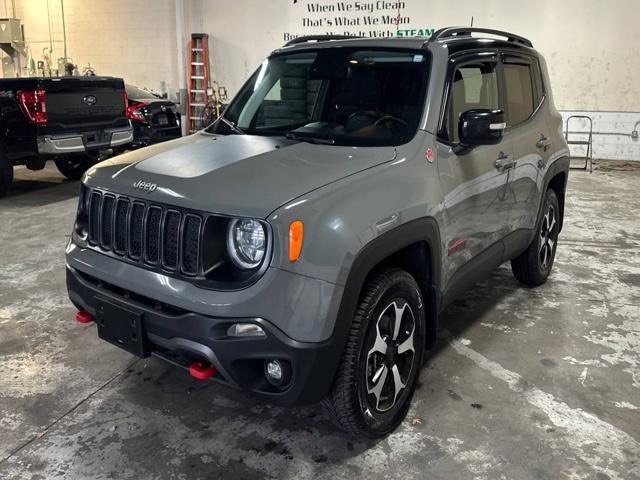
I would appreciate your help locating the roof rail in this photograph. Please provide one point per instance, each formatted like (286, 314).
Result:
(453, 32)
(318, 38)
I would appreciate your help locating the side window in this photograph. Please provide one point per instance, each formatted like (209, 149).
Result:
(539, 83)
(474, 86)
(274, 93)
(519, 92)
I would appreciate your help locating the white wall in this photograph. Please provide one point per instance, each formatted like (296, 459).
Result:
(131, 39)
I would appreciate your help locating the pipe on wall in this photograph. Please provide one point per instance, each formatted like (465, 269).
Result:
(50, 35)
(64, 30)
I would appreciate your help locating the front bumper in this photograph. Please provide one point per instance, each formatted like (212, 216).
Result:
(75, 143)
(182, 335)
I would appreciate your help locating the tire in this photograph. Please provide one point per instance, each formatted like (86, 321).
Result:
(277, 111)
(6, 175)
(73, 166)
(293, 94)
(296, 72)
(296, 106)
(313, 86)
(533, 267)
(357, 403)
(293, 82)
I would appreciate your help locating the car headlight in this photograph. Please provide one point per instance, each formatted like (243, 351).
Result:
(246, 242)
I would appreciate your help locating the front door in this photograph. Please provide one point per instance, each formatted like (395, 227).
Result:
(477, 198)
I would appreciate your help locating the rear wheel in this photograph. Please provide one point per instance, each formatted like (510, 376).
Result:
(6, 175)
(74, 166)
(381, 361)
(534, 265)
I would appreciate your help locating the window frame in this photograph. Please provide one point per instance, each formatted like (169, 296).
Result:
(494, 55)
(539, 92)
(456, 62)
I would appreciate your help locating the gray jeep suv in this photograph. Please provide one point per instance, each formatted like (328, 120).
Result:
(302, 246)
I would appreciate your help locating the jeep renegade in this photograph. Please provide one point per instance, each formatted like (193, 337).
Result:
(303, 245)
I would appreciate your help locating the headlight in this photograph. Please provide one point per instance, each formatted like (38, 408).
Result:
(246, 243)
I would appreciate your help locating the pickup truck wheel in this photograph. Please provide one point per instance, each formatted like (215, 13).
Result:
(73, 166)
(6, 175)
(534, 265)
(381, 361)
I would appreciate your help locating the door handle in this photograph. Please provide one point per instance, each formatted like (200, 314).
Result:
(544, 142)
(504, 162)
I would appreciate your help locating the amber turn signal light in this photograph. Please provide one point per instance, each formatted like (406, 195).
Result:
(296, 235)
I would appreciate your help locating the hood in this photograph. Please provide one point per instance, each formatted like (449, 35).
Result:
(241, 175)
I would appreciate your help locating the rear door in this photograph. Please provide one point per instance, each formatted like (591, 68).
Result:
(80, 104)
(529, 133)
(477, 201)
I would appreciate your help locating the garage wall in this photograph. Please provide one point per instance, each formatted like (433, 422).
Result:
(131, 39)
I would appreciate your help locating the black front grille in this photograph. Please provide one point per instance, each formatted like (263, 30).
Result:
(154, 234)
(152, 246)
(170, 240)
(120, 240)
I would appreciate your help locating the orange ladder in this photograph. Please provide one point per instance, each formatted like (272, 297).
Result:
(198, 81)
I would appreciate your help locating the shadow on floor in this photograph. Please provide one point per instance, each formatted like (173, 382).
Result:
(250, 425)
(35, 189)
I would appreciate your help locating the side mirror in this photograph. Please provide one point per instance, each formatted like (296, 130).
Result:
(481, 127)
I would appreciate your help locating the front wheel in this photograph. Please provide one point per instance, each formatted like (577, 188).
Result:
(534, 265)
(381, 361)
(74, 166)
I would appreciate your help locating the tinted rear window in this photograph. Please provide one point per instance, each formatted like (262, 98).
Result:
(520, 94)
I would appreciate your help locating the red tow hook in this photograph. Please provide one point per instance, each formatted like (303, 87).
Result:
(202, 371)
(84, 317)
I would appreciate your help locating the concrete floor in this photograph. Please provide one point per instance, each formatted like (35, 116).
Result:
(526, 384)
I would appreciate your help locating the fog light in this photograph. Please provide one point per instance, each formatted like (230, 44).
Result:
(274, 370)
(277, 372)
(245, 330)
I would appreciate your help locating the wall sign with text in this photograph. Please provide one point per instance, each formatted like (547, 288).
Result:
(367, 18)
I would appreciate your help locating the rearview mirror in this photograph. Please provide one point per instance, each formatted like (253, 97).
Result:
(481, 127)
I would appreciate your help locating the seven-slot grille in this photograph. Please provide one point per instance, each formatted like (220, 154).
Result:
(156, 235)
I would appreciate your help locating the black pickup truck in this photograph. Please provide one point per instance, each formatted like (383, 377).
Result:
(69, 120)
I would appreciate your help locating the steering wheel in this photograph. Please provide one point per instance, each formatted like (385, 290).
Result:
(369, 114)
(390, 118)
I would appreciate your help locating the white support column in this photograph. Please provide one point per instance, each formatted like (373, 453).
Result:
(181, 60)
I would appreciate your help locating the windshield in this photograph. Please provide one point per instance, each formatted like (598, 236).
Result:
(345, 96)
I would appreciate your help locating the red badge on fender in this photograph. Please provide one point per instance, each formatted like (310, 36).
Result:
(429, 156)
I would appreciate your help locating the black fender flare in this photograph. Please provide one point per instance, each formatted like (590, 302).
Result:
(561, 165)
(372, 254)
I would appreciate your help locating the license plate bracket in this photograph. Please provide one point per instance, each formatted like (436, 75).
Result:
(121, 326)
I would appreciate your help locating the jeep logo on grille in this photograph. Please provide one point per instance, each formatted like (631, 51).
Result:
(90, 100)
(146, 186)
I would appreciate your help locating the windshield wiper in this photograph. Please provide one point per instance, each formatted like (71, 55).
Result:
(310, 139)
(232, 126)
